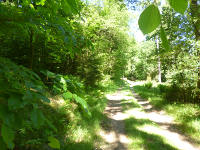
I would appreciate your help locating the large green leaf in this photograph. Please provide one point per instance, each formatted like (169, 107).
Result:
(164, 39)
(149, 19)
(53, 142)
(82, 102)
(8, 136)
(179, 5)
(67, 95)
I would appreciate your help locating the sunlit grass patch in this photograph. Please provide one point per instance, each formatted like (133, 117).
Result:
(187, 116)
(142, 137)
(78, 130)
(135, 128)
(129, 104)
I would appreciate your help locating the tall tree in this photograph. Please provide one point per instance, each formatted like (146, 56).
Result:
(195, 15)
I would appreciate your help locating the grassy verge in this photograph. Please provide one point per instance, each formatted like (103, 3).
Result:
(80, 130)
(186, 115)
(142, 139)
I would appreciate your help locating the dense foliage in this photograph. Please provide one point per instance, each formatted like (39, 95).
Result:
(176, 48)
(56, 54)
(55, 48)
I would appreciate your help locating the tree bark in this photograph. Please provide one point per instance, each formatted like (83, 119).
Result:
(195, 14)
(159, 62)
(31, 49)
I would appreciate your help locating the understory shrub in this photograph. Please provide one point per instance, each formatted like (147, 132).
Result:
(22, 94)
(69, 87)
(29, 120)
(148, 85)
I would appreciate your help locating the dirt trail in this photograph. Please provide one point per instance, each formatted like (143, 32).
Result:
(114, 134)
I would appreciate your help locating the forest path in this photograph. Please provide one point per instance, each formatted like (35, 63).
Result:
(114, 128)
(158, 134)
(165, 124)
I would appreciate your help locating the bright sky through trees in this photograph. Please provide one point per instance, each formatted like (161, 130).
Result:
(134, 28)
(133, 23)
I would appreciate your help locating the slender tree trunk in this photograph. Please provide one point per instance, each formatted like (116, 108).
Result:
(195, 9)
(159, 62)
(31, 49)
(159, 70)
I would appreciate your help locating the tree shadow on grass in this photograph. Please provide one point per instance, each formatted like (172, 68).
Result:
(148, 141)
(129, 104)
(159, 104)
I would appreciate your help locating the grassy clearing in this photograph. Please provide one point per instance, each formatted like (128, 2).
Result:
(186, 115)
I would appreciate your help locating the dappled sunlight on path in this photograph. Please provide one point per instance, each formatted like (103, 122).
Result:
(115, 136)
(165, 125)
(152, 128)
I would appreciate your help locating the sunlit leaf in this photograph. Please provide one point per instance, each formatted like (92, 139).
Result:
(53, 142)
(41, 2)
(67, 95)
(82, 102)
(149, 19)
(164, 39)
(179, 5)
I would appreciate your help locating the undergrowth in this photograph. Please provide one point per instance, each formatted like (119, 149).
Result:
(55, 112)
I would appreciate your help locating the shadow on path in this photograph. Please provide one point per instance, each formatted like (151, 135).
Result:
(169, 129)
(114, 132)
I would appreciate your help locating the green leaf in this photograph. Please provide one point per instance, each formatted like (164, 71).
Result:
(53, 142)
(64, 84)
(49, 74)
(51, 125)
(179, 5)
(2, 144)
(3, 112)
(14, 101)
(82, 102)
(149, 19)
(67, 95)
(37, 118)
(41, 2)
(164, 39)
(8, 136)
(44, 98)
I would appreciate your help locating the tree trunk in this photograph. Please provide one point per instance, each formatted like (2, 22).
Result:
(159, 70)
(159, 62)
(195, 9)
(31, 49)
